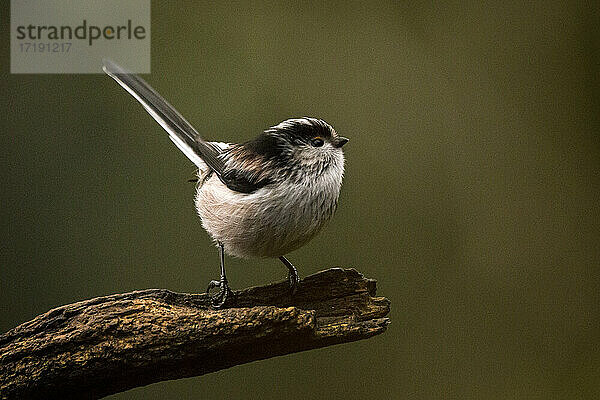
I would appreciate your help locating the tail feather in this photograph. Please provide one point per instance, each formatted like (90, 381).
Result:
(181, 132)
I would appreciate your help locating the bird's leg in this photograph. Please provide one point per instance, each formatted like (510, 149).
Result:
(219, 299)
(292, 275)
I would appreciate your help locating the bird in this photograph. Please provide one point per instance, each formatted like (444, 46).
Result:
(262, 198)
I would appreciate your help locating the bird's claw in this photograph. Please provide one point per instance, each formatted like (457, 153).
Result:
(219, 299)
(294, 280)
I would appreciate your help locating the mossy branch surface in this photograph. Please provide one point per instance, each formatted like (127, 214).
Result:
(110, 344)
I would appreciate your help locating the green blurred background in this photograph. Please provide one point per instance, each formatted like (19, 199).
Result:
(471, 193)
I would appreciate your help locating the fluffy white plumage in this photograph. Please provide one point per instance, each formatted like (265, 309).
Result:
(275, 219)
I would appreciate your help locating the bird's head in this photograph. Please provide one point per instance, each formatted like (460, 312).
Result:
(308, 141)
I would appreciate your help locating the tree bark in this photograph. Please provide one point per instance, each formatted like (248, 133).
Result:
(109, 344)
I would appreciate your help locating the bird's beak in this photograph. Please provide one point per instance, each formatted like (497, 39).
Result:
(340, 141)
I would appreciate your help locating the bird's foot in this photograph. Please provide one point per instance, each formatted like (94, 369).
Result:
(294, 280)
(293, 277)
(219, 299)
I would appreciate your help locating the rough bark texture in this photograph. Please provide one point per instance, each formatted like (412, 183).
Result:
(110, 344)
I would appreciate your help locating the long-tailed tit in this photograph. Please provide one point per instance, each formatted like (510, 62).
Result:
(262, 198)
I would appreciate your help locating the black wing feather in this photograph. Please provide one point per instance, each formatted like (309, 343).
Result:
(242, 181)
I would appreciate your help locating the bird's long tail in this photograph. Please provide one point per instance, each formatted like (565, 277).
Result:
(181, 132)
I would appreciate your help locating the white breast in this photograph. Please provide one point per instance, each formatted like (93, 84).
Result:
(273, 220)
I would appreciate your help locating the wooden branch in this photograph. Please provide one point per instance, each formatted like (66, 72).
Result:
(106, 345)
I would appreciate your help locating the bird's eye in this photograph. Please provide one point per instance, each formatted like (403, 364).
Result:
(317, 142)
